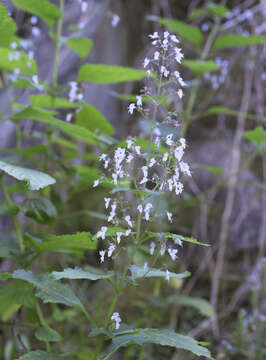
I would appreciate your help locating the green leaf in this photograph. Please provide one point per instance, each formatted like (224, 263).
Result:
(41, 355)
(5, 276)
(108, 74)
(197, 12)
(78, 273)
(257, 136)
(35, 179)
(26, 65)
(236, 40)
(47, 334)
(81, 45)
(47, 101)
(49, 289)
(91, 118)
(162, 337)
(200, 304)
(139, 272)
(200, 67)
(13, 295)
(217, 10)
(7, 27)
(175, 237)
(40, 209)
(188, 32)
(44, 116)
(226, 111)
(81, 241)
(44, 9)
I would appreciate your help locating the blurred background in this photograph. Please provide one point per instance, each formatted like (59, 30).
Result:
(224, 203)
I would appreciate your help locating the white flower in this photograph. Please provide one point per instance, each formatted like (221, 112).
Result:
(165, 44)
(128, 220)
(152, 162)
(10, 57)
(128, 232)
(36, 31)
(178, 188)
(167, 275)
(147, 210)
(184, 167)
(157, 142)
(137, 149)
(115, 177)
(166, 34)
(169, 139)
(179, 152)
(170, 184)
(174, 38)
(152, 248)
(154, 35)
(164, 71)
(102, 232)
(111, 249)
(178, 55)
(68, 117)
(163, 248)
(179, 78)
(140, 208)
(130, 142)
(102, 254)
(16, 71)
(139, 100)
(96, 182)
(129, 158)
(84, 6)
(145, 266)
(33, 20)
(173, 253)
(107, 202)
(35, 79)
(183, 142)
(113, 212)
(17, 55)
(117, 319)
(169, 216)
(115, 20)
(165, 157)
(145, 175)
(146, 62)
(131, 108)
(180, 93)
(156, 55)
(118, 236)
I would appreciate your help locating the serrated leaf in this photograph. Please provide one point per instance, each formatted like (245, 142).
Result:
(81, 241)
(40, 209)
(44, 116)
(81, 45)
(236, 40)
(41, 355)
(35, 179)
(13, 295)
(108, 74)
(200, 304)
(23, 63)
(200, 67)
(90, 118)
(47, 101)
(7, 27)
(139, 272)
(78, 273)
(162, 337)
(217, 10)
(44, 9)
(47, 334)
(49, 289)
(188, 32)
(257, 136)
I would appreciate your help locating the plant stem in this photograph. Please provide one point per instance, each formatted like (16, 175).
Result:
(58, 43)
(11, 206)
(12, 102)
(43, 323)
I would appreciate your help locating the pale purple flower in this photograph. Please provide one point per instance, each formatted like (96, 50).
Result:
(111, 249)
(117, 319)
(173, 253)
(128, 220)
(102, 254)
(102, 232)
(152, 248)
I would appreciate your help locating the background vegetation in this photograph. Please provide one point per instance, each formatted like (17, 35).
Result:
(222, 116)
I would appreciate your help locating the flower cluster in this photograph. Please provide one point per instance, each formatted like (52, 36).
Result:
(141, 170)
